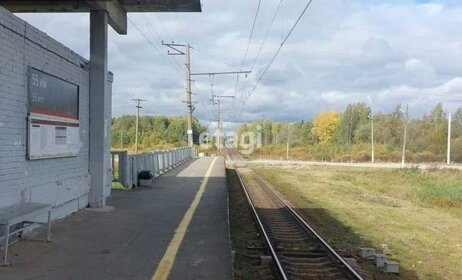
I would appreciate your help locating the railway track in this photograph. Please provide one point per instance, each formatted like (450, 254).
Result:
(297, 250)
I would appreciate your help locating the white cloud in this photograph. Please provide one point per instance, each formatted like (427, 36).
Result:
(342, 51)
(333, 97)
(453, 86)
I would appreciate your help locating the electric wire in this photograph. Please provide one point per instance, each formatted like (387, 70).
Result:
(150, 26)
(165, 29)
(282, 44)
(215, 58)
(153, 45)
(273, 19)
(276, 54)
(266, 35)
(248, 44)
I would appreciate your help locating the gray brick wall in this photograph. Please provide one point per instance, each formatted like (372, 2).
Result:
(63, 182)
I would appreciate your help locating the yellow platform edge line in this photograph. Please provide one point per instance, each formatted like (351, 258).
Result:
(165, 266)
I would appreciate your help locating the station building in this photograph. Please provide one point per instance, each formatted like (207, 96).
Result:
(55, 106)
(38, 164)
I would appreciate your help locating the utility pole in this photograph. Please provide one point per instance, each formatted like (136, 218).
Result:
(371, 116)
(219, 126)
(449, 139)
(217, 118)
(287, 144)
(138, 107)
(216, 101)
(403, 156)
(189, 106)
(218, 96)
(188, 96)
(121, 139)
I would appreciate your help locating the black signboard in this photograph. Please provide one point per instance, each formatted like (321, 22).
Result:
(51, 96)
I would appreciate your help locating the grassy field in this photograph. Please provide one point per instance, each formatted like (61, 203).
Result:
(416, 213)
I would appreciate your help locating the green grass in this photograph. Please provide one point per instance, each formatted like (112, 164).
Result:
(431, 188)
(116, 185)
(417, 213)
(447, 193)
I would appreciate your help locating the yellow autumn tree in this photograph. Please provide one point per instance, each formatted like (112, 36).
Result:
(325, 124)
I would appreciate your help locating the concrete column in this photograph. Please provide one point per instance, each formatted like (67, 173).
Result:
(167, 163)
(173, 157)
(124, 170)
(155, 163)
(161, 162)
(99, 154)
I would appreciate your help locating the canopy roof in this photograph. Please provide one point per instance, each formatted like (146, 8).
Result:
(116, 9)
(21, 6)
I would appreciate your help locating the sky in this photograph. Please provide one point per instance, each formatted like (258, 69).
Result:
(383, 53)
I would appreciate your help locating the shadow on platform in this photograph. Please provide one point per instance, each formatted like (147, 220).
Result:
(129, 241)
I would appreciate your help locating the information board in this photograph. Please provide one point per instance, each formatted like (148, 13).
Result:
(53, 122)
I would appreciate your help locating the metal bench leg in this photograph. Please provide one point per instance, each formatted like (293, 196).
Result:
(5, 244)
(49, 227)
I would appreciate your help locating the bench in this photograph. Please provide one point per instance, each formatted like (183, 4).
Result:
(22, 216)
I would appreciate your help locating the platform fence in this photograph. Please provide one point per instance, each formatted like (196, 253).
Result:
(126, 167)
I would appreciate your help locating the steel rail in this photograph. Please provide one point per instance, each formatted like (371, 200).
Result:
(301, 220)
(262, 229)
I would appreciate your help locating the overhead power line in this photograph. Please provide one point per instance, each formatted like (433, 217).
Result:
(248, 43)
(150, 26)
(282, 44)
(277, 52)
(251, 34)
(266, 35)
(247, 49)
(215, 58)
(153, 45)
(273, 19)
(165, 29)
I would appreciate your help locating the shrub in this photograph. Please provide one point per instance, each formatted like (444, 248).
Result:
(426, 156)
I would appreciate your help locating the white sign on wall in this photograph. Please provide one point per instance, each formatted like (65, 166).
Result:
(52, 139)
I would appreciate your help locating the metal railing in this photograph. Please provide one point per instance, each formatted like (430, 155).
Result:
(126, 167)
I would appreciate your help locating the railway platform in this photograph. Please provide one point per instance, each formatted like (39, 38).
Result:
(178, 229)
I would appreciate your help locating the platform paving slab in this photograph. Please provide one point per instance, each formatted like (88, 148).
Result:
(129, 241)
(205, 234)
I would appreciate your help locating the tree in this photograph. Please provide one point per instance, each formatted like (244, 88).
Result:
(325, 125)
(388, 129)
(154, 131)
(354, 116)
(426, 136)
(275, 131)
(306, 135)
(242, 129)
(457, 123)
(437, 115)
